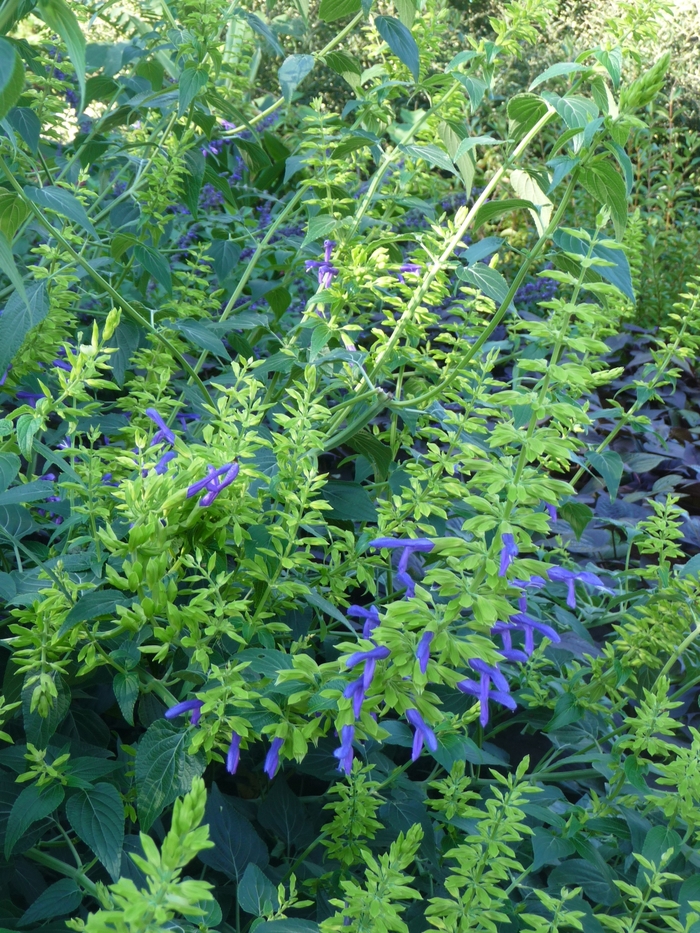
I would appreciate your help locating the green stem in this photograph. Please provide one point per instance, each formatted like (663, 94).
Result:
(36, 855)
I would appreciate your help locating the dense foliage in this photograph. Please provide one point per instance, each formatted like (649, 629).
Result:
(349, 470)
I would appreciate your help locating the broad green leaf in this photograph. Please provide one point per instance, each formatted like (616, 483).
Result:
(192, 81)
(407, 11)
(623, 160)
(201, 334)
(9, 468)
(157, 265)
(689, 891)
(16, 521)
(13, 213)
(256, 893)
(27, 426)
(292, 72)
(482, 249)
(164, 770)
(606, 185)
(288, 925)
(452, 748)
(378, 453)
(8, 266)
(489, 211)
(331, 10)
(97, 816)
(486, 279)
(11, 77)
(27, 124)
(262, 29)
(93, 605)
(610, 466)
(470, 142)
(225, 254)
(618, 274)
(475, 88)
(236, 843)
(40, 729)
(286, 817)
(526, 187)
(320, 227)
(350, 144)
(452, 134)
(61, 19)
(577, 515)
(126, 690)
(346, 66)
(659, 840)
(576, 112)
(556, 71)
(26, 492)
(433, 155)
(579, 873)
(61, 202)
(18, 318)
(63, 897)
(400, 41)
(612, 62)
(350, 502)
(33, 804)
(524, 111)
(548, 849)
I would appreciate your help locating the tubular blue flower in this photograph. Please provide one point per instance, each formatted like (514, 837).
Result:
(355, 692)
(493, 673)
(61, 364)
(508, 553)
(272, 759)
(376, 654)
(213, 484)
(162, 465)
(326, 270)
(371, 617)
(407, 267)
(561, 575)
(423, 651)
(483, 690)
(552, 509)
(505, 630)
(187, 706)
(234, 753)
(164, 433)
(409, 546)
(344, 754)
(529, 626)
(422, 734)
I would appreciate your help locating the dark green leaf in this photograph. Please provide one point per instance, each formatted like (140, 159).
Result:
(400, 41)
(100, 87)
(63, 897)
(610, 466)
(92, 606)
(192, 81)
(236, 844)
(16, 521)
(320, 227)
(155, 264)
(292, 72)
(33, 804)
(13, 212)
(577, 515)
(659, 840)
(488, 212)
(201, 335)
(486, 279)
(126, 690)
(453, 747)
(319, 602)
(26, 492)
(548, 849)
(365, 443)
(61, 202)
(256, 893)
(9, 468)
(346, 66)
(27, 124)
(331, 10)
(556, 71)
(225, 254)
(61, 19)
(618, 274)
(482, 249)
(40, 729)
(577, 872)
(8, 266)
(27, 427)
(350, 144)
(524, 111)
(97, 817)
(252, 154)
(290, 925)
(350, 502)
(164, 770)
(606, 185)
(262, 29)
(11, 77)
(690, 891)
(284, 815)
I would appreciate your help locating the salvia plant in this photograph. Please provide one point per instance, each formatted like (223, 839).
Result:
(334, 594)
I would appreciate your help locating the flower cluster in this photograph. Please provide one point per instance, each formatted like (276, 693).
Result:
(163, 435)
(326, 270)
(214, 482)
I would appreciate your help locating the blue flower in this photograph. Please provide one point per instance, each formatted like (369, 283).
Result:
(483, 690)
(164, 433)
(522, 622)
(423, 651)
(371, 617)
(344, 754)
(234, 753)
(561, 575)
(214, 482)
(508, 553)
(552, 509)
(272, 759)
(412, 267)
(355, 692)
(326, 270)
(534, 582)
(187, 706)
(409, 547)
(370, 659)
(162, 465)
(422, 734)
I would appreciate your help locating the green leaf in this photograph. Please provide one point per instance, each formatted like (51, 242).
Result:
(236, 844)
(61, 202)
(606, 185)
(433, 155)
(576, 112)
(555, 71)
(256, 893)
(331, 10)
(527, 188)
(33, 804)
(8, 266)
(91, 606)
(452, 748)
(126, 690)
(350, 502)
(290, 925)
(11, 77)
(475, 88)
(379, 455)
(27, 124)
(618, 274)
(452, 134)
(612, 62)
(524, 111)
(659, 840)
(407, 11)
(13, 213)
(262, 29)
(610, 466)
(192, 81)
(292, 72)
(488, 280)
(164, 770)
(320, 227)
(351, 143)
(470, 142)
(285, 816)
(100, 87)
(61, 19)
(548, 849)
(9, 468)
(63, 897)
(577, 515)
(488, 212)
(26, 492)
(97, 817)
(155, 264)
(40, 729)
(323, 605)
(400, 41)
(201, 335)
(579, 873)
(690, 891)
(28, 426)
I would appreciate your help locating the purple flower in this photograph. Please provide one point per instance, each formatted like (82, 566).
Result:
(422, 734)
(193, 706)
(376, 654)
(234, 753)
(552, 509)
(162, 465)
(508, 553)
(408, 267)
(326, 270)
(272, 759)
(535, 582)
(371, 617)
(164, 434)
(214, 482)
(344, 754)
(561, 575)
(61, 364)
(423, 651)
(409, 546)
(505, 630)
(355, 691)
(483, 690)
